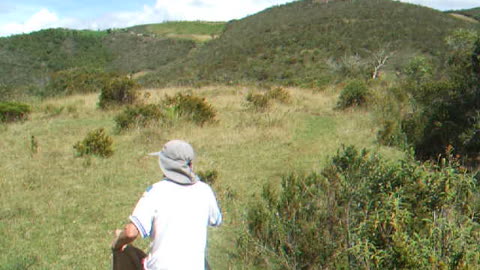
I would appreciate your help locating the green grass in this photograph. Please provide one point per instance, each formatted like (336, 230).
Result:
(59, 211)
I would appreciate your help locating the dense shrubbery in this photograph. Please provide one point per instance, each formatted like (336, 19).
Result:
(444, 110)
(353, 94)
(97, 143)
(13, 111)
(120, 91)
(305, 43)
(190, 107)
(77, 80)
(139, 116)
(362, 212)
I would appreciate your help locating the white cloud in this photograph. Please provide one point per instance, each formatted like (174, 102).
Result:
(213, 10)
(446, 4)
(40, 20)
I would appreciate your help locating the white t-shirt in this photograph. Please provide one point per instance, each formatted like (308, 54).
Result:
(176, 218)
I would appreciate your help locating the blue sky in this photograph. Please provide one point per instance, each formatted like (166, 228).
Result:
(24, 16)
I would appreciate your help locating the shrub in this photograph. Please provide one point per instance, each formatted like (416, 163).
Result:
(279, 94)
(120, 91)
(97, 143)
(208, 176)
(13, 111)
(139, 116)
(190, 107)
(77, 80)
(257, 102)
(362, 212)
(354, 94)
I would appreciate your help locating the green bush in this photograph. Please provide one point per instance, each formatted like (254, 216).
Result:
(97, 143)
(120, 91)
(77, 80)
(354, 94)
(13, 111)
(363, 212)
(209, 176)
(190, 107)
(139, 116)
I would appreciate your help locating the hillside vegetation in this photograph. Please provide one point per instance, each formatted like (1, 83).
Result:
(310, 43)
(473, 13)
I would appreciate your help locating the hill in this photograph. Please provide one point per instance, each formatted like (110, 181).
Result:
(473, 13)
(309, 42)
(198, 31)
(29, 59)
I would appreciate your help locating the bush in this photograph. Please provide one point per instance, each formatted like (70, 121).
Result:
(97, 143)
(120, 91)
(362, 212)
(13, 111)
(279, 94)
(208, 176)
(190, 107)
(77, 80)
(354, 94)
(139, 116)
(257, 102)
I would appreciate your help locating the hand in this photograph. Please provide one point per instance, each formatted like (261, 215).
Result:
(117, 233)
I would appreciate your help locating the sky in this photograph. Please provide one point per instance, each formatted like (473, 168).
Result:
(25, 16)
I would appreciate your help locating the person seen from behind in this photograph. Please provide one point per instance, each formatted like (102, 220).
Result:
(174, 213)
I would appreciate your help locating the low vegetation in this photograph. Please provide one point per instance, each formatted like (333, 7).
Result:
(140, 116)
(96, 143)
(361, 212)
(190, 107)
(119, 91)
(13, 111)
(355, 93)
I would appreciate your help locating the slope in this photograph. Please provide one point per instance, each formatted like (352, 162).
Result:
(308, 42)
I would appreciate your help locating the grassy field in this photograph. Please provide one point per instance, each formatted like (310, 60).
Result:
(59, 211)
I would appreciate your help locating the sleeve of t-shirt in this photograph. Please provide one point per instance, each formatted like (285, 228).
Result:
(143, 214)
(215, 215)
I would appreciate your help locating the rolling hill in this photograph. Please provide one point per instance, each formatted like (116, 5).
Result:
(308, 42)
(305, 43)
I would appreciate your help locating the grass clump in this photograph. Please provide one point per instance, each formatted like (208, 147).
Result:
(262, 101)
(208, 176)
(97, 143)
(120, 91)
(190, 107)
(354, 94)
(139, 116)
(13, 111)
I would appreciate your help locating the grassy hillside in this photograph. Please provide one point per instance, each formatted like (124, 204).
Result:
(310, 43)
(199, 31)
(27, 59)
(59, 211)
(30, 59)
(471, 13)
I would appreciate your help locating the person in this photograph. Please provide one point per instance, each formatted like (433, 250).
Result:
(175, 213)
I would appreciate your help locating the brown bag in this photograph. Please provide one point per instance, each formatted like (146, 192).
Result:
(131, 258)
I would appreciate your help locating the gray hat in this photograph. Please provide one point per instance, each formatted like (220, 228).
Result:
(175, 160)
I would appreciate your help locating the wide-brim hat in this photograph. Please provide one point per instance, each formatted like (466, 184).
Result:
(175, 162)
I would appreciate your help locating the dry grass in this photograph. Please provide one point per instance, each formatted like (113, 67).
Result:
(59, 211)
